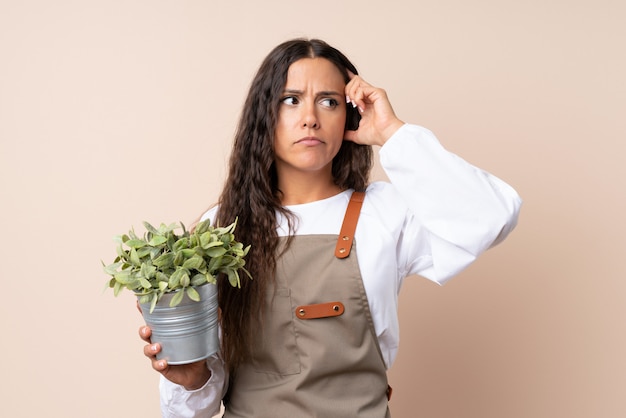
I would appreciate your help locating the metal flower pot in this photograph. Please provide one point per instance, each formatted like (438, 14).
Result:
(187, 332)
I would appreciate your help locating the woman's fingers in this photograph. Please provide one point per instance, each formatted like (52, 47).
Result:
(151, 350)
(366, 97)
(378, 120)
(145, 333)
(358, 92)
(160, 366)
(192, 376)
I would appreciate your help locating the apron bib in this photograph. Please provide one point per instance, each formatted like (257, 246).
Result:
(317, 354)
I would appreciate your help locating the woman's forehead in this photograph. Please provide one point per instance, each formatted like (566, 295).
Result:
(314, 71)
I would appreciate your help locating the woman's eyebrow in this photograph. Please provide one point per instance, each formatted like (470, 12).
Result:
(329, 93)
(319, 93)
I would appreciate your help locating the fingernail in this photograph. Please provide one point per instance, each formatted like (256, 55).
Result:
(154, 347)
(361, 110)
(354, 104)
(162, 363)
(348, 99)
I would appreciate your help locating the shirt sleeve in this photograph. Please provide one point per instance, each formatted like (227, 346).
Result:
(177, 402)
(464, 209)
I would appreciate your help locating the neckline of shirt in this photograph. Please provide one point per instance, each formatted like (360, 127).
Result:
(301, 206)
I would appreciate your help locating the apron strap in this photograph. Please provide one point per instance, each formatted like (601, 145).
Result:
(346, 236)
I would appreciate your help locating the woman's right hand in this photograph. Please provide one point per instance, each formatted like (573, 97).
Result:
(192, 376)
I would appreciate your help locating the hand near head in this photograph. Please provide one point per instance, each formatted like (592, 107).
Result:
(378, 120)
(192, 376)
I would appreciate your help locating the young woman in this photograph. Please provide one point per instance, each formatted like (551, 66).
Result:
(315, 331)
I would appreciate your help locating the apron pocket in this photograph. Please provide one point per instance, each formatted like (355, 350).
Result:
(277, 338)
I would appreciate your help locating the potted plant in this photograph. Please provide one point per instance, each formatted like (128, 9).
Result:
(174, 277)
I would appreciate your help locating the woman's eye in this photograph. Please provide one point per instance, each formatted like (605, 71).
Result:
(329, 102)
(290, 100)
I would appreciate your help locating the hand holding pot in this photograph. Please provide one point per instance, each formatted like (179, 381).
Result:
(192, 376)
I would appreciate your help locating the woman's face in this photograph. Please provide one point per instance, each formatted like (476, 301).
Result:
(311, 118)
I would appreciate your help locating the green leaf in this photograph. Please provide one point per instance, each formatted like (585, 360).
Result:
(216, 251)
(205, 238)
(211, 279)
(117, 288)
(111, 269)
(164, 260)
(215, 264)
(147, 270)
(120, 250)
(144, 251)
(177, 298)
(179, 258)
(199, 279)
(227, 238)
(162, 286)
(194, 262)
(135, 243)
(203, 226)
(171, 240)
(145, 283)
(184, 280)
(221, 230)
(123, 277)
(247, 273)
(134, 258)
(233, 278)
(211, 244)
(134, 284)
(174, 280)
(203, 268)
(193, 294)
(157, 240)
(229, 261)
(188, 252)
(155, 299)
(181, 243)
(150, 228)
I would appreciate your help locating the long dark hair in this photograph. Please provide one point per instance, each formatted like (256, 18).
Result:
(251, 191)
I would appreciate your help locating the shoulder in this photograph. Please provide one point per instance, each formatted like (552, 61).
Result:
(384, 208)
(383, 196)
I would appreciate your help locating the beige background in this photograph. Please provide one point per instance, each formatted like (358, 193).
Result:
(114, 112)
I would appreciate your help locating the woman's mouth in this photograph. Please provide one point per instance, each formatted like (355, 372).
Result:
(309, 141)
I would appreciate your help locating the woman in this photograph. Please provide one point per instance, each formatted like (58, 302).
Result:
(315, 331)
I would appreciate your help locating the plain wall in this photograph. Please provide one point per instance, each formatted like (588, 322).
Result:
(114, 112)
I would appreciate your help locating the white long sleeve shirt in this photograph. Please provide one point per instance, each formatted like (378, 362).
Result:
(438, 214)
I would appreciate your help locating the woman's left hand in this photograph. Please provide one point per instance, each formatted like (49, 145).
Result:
(378, 120)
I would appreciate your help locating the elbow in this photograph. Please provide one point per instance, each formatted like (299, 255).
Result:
(507, 220)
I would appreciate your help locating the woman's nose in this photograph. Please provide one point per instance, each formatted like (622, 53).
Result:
(309, 118)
